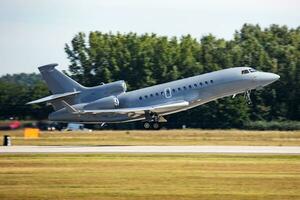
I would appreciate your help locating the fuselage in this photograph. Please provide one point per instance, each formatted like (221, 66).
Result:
(196, 90)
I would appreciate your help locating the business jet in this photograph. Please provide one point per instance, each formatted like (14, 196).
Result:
(111, 103)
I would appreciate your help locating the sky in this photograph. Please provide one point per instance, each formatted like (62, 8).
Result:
(34, 32)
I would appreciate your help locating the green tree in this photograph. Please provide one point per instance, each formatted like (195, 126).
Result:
(148, 59)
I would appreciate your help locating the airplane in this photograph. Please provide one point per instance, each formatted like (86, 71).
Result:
(111, 103)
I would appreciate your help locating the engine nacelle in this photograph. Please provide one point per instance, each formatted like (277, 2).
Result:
(114, 88)
(110, 102)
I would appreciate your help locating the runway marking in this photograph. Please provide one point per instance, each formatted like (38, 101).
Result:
(153, 149)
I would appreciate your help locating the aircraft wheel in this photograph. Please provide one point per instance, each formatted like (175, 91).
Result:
(156, 125)
(147, 125)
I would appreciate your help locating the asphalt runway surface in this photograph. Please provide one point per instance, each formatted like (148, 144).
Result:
(153, 149)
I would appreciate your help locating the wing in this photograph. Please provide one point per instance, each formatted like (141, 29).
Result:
(138, 110)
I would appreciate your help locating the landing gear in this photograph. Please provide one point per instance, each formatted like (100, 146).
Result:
(156, 125)
(152, 125)
(247, 96)
(153, 120)
(147, 125)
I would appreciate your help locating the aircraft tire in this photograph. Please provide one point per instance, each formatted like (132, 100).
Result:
(156, 126)
(147, 125)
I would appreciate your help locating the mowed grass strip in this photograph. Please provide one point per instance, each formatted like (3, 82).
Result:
(148, 176)
(162, 137)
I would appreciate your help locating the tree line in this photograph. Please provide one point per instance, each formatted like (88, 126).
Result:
(149, 59)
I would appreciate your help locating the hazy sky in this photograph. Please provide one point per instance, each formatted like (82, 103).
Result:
(34, 32)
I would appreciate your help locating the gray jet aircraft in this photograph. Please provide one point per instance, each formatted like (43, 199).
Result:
(111, 103)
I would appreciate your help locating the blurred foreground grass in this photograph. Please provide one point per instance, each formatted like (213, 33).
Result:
(162, 137)
(148, 176)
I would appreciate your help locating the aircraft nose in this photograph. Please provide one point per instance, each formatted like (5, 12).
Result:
(267, 78)
(275, 77)
(272, 77)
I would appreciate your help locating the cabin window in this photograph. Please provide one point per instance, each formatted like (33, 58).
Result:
(151, 95)
(245, 71)
(173, 90)
(162, 93)
(195, 84)
(190, 86)
(211, 81)
(184, 87)
(146, 96)
(179, 89)
(140, 98)
(156, 94)
(206, 82)
(200, 83)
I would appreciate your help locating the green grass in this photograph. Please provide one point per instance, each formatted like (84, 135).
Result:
(148, 176)
(163, 137)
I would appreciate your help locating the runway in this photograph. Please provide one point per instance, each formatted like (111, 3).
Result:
(154, 149)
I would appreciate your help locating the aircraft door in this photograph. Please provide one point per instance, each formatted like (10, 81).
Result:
(168, 93)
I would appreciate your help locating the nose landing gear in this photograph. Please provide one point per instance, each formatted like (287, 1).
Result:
(247, 96)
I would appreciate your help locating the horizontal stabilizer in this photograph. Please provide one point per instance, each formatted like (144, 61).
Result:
(54, 97)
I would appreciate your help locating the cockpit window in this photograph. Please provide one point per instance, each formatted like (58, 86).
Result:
(252, 70)
(245, 71)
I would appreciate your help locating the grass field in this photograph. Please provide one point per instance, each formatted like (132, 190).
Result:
(162, 137)
(146, 176)
(151, 176)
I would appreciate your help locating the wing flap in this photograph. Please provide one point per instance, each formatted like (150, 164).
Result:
(141, 110)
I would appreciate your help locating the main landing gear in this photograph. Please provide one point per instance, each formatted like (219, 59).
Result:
(153, 121)
(152, 125)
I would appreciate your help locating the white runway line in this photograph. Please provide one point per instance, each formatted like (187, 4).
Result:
(153, 149)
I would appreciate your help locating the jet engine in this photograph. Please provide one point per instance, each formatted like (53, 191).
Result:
(113, 88)
(110, 102)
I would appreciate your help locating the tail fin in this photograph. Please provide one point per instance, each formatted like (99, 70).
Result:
(64, 88)
(58, 82)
